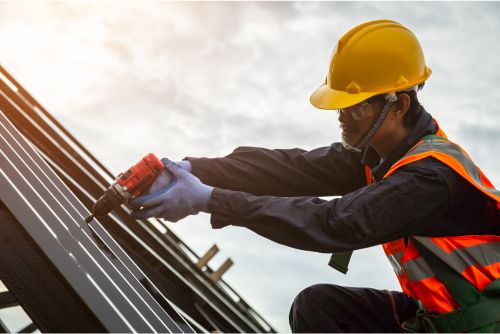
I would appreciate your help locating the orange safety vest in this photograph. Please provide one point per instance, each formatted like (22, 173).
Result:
(475, 257)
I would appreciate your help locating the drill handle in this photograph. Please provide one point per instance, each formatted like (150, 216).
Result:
(142, 185)
(166, 184)
(147, 185)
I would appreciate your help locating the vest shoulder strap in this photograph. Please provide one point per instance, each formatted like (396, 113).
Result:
(430, 137)
(451, 155)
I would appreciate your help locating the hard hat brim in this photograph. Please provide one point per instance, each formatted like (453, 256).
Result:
(330, 99)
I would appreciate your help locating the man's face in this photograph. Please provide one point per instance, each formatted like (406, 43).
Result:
(357, 120)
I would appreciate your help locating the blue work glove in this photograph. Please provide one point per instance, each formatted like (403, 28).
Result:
(174, 195)
(184, 164)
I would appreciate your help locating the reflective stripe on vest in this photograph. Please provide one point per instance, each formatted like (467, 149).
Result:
(475, 257)
(479, 264)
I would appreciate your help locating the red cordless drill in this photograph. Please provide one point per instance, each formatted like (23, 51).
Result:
(134, 182)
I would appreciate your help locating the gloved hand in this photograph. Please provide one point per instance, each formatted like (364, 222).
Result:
(184, 164)
(166, 177)
(174, 195)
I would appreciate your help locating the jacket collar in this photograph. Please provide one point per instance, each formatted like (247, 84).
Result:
(424, 126)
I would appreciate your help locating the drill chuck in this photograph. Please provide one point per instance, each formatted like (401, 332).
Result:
(111, 198)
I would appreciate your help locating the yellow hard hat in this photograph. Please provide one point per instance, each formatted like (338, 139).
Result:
(373, 58)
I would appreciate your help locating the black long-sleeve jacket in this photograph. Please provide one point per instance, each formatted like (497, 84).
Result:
(274, 193)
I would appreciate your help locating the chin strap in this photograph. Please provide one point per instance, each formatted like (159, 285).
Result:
(389, 101)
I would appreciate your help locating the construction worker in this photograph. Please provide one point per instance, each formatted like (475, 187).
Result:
(403, 184)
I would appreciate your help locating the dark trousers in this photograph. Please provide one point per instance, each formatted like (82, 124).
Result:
(330, 308)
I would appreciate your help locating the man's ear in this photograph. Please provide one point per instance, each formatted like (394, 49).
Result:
(402, 105)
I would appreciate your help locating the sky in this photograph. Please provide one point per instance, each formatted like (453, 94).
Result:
(202, 78)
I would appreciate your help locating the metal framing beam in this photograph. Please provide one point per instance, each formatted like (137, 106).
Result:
(136, 251)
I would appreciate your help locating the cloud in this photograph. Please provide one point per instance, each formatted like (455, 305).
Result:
(199, 79)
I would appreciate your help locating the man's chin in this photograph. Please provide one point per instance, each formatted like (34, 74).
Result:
(350, 139)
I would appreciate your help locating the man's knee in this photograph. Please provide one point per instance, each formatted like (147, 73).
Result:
(310, 296)
(306, 310)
